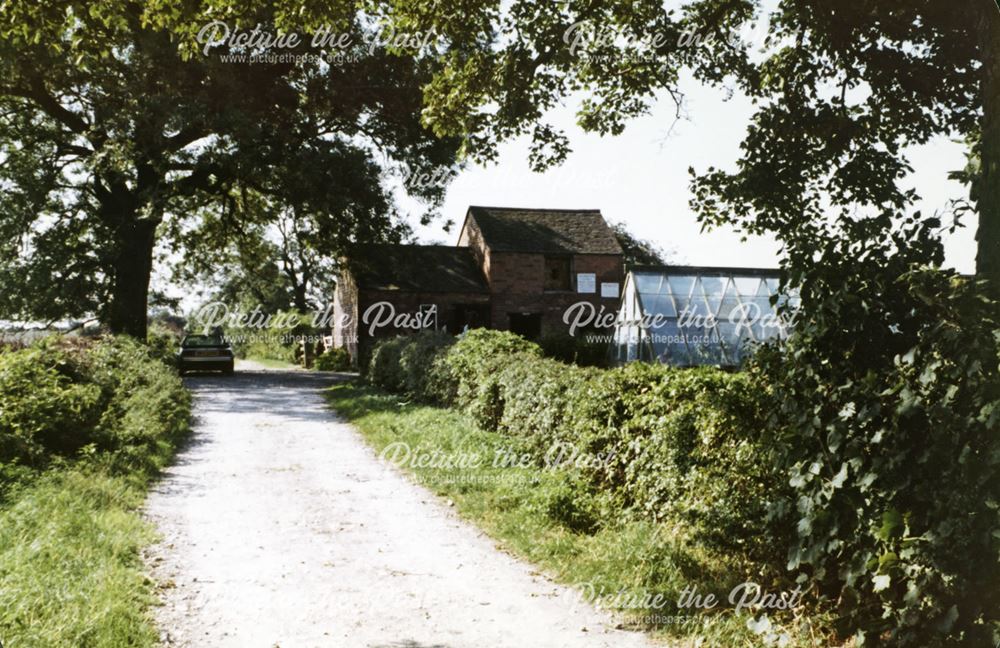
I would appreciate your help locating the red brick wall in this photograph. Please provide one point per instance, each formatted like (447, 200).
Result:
(472, 237)
(517, 282)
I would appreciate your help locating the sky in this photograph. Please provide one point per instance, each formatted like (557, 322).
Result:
(640, 178)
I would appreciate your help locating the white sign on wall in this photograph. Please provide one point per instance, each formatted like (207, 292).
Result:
(609, 289)
(586, 282)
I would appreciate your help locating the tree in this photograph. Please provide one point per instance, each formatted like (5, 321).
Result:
(638, 251)
(291, 231)
(114, 121)
(839, 92)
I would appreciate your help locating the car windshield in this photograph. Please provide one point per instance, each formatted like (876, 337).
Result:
(203, 341)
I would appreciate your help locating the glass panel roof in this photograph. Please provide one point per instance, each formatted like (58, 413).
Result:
(681, 284)
(711, 318)
(650, 283)
(747, 285)
(714, 285)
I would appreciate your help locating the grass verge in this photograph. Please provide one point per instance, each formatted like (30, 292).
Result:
(528, 510)
(70, 564)
(85, 425)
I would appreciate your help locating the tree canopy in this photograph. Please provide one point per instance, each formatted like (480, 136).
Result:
(115, 123)
(119, 119)
(638, 251)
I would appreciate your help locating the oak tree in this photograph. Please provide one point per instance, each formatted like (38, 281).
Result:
(115, 120)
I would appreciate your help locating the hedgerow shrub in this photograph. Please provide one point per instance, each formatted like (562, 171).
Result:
(61, 395)
(536, 399)
(422, 377)
(335, 359)
(600, 408)
(163, 341)
(384, 369)
(474, 364)
(46, 407)
(642, 440)
(146, 406)
(693, 449)
(886, 407)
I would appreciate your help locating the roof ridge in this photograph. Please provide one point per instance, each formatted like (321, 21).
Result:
(696, 269)
(417, 245)
(536, 209)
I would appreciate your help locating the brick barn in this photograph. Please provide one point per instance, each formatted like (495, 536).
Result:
(512, 269)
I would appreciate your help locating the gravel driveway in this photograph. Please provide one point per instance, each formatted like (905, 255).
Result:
(281, 527)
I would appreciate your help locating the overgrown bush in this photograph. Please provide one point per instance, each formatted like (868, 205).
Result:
(335, 359)
(886, 411)
(413, 365)
(538, 395)
(384, 369)
(61, 396)
(691, 448)
(473, 365)
(146, 405)
(645, 441)
(47, 405)
(163, 341)
(422, 377)
(435, 367)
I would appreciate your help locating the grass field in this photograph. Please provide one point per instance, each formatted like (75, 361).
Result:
(524, 509)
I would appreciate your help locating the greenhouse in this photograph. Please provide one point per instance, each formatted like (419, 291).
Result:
(687, 316)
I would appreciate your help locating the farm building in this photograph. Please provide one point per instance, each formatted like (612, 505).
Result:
(513, 269)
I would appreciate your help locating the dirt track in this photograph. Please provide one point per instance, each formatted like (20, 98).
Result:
(282, 528)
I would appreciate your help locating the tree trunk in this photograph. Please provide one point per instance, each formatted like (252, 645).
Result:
(988, 235)
(299, 300)
(130, 289)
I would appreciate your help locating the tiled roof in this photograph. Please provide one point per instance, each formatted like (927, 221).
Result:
(417, 268)
(568, 231)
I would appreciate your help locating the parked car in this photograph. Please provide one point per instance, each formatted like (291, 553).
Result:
(205, 353)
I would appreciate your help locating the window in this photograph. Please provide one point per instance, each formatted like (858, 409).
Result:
(557, 275)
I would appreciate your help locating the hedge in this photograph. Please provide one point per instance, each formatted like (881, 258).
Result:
(84, 425)
(63, 398)
(646, 441)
